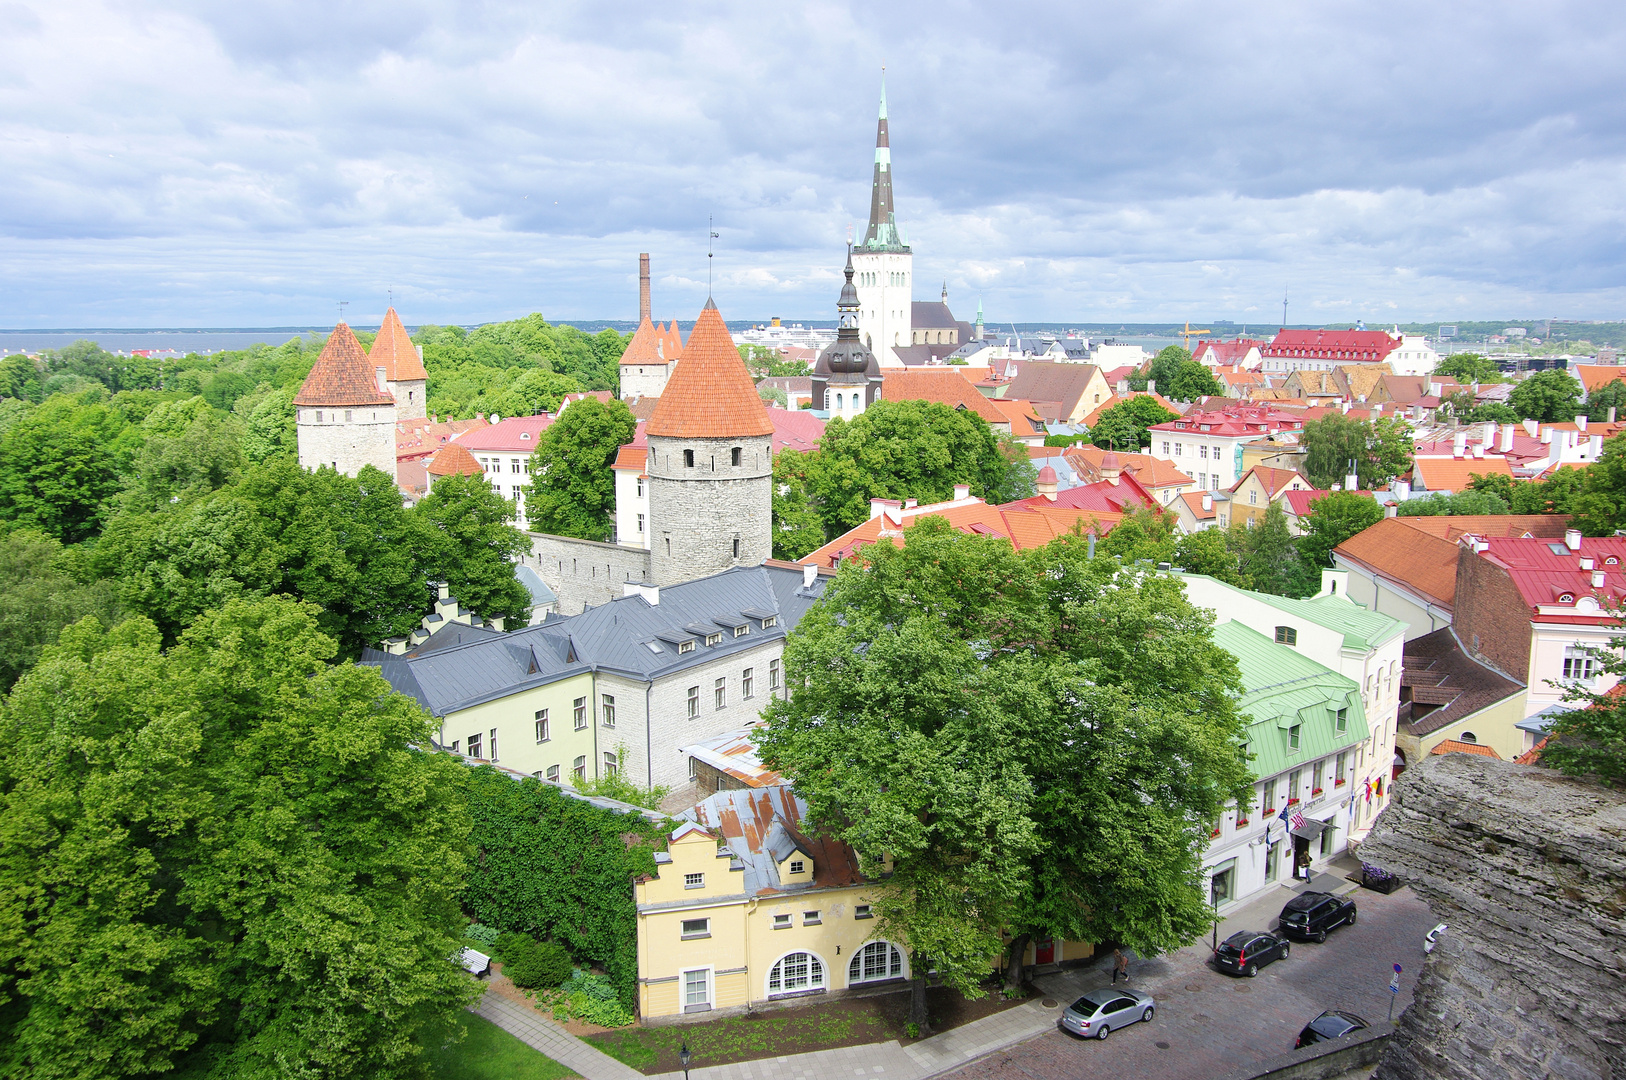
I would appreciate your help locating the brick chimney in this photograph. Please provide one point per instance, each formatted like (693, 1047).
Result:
(643, 286)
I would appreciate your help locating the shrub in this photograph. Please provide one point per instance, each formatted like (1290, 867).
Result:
(591, 997)
(543, 964)
(484, 936)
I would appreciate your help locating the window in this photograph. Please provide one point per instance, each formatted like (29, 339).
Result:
(474, 745)
(607, 709)
(1176, 449)
(1579, 663)
(773, 674)
(694, 881)
(581, 768)
(734, 457)
(1293, 737)
(611, 763)
(688, 459)
(318, 416)
(770, 622)
(781, 922)
(1202, 452)
(741, 631)
(491, 747)
(1220, 885)
(875, 961)
(1253, 496)
(640, 488)
(1343, 721)
(684, 646)
(694, 770)
(797, 972)
(747, 683)
(694, 702)
(1273, 861)
(736, 555)
(1468, 737)
(714, 639)
(1286, 635)
(1293, 787)
(811, 918)
(640, 524)
(347, 416)
(696, 990)
(456, 743)
(861, 911)
(797, 866)
(1165, 449)
(720, 692)
(581, 713)
(553, 773)
(1338, 773)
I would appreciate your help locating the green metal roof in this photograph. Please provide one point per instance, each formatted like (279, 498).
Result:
(1362, 629)
(1283, 689)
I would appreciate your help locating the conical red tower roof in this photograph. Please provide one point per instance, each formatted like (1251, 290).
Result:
(453, 460)
(710, 395)
(343, 375)
(394, 352)
(645, 346)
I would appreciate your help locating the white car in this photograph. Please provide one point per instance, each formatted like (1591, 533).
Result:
(1432, 938)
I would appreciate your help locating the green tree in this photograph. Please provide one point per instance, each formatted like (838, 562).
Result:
(1210, 551)
(1270, 558)
(765, 362)
(572, 488)
(21, 377)
(270, 428)
(797, 529)
(1549, 396)
(1038, 742)
(906, 450)
(287, 858)
(61, 465)
(1611, 395)
(1442, 504)
(1123, 426)
(1590, 740)
(1175, 375)
(1381, 451)
(1333, 519)
(39, 595)
(1469, 368)
(188, 449)
(472, 545)
(1599, 507)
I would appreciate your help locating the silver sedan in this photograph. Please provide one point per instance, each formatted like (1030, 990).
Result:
(1100, 1012)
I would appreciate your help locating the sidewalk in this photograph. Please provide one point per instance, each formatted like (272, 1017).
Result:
(540, 1033)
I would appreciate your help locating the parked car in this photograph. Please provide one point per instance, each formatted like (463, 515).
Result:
(1246, 951)
(1432, 938)
(1099, 1012)
(1310, 915)
(1332, 1024)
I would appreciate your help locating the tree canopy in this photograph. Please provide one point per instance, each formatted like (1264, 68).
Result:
(1175, 375)
(287, 861)
(1381, 450)
(1332, 520)
(572, 488)
(1549, 396)
(1038, 742)
(1123, 426)
(1469, 368)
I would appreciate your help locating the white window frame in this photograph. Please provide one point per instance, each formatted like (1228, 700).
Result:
(543, 732)
(747, 684)
(894, 957)
(773, 674)
(719, 691)
(694, 881)
(707, 981)
(818, 975)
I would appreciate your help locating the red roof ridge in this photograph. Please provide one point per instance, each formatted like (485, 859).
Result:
(342, 375)
(394, 352)
(710, 394)
(645, 346)
(453, 459)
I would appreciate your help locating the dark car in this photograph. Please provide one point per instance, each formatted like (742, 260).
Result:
(1100, 1012)
(1245, 952)
(1310, 915)
(1332, 1024)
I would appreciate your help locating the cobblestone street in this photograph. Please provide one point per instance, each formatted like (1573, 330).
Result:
(1208, 1023)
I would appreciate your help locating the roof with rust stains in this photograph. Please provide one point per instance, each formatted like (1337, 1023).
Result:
(710, 394)
(762, 827)
(394, 352)
(343, 375)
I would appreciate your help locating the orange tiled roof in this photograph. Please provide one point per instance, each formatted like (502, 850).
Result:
(343, 375)
(1596, 376)
(710, 395)
(672, 342)
(631, 457)
(1194, 503)
(1274, 480)
(1149, 471)
(1424, 563)
(1023, 419)
(645, 346)
(1532, 756)
(453, 460)
(1453, 474)
(1025, 526)
(1452, 746)
(944, 386)
(394, 352)
(1452, 527)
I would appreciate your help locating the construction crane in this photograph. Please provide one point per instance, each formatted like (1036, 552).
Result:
(1188, 333)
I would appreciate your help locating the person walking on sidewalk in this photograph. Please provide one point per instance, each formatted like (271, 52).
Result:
(1120, 966)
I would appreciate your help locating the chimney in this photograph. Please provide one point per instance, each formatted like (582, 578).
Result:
(1391, 510)
(1490, 433)
(651, 593)
(894, 514)
(1151, 386)
(1587, 562)
(1208, 501)
(1352, 482)
(810, 574)
(1547, 436)
(1594, 446)
(1611, 414)
(1479, 450)
(962, 491)
(910, 504)
(1530, 427)
(1459, 444)
(1580, 422)
(1506, 445)
(1572, 539)
(1597, 579)
(877, 506)
(643, 286)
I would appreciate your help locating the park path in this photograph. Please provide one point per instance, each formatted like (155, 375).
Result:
(540, 1033)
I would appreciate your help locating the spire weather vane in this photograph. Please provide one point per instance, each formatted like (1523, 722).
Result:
(711, 234)
(342, 305)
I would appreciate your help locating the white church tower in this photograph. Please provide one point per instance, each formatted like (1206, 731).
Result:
(883, 265)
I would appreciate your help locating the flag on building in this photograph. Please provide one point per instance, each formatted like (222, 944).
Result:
(1298, 820)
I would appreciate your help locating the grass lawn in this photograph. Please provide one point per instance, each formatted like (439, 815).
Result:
(490, 1053)
(782, 1032)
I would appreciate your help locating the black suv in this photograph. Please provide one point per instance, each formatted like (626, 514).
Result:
(1245, 952)
(1310, 915)
(1332, 1024)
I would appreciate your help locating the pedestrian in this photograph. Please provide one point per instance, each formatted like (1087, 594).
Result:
(1120, 966)
(1304, 863)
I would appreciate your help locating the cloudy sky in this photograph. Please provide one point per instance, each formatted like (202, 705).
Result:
(224, 163)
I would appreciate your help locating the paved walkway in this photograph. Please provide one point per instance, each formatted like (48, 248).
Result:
(540, 1033)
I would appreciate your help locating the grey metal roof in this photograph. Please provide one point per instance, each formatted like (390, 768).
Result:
(628, 635)
(541, 594)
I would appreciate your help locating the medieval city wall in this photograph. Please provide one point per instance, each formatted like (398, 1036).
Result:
(585, 573)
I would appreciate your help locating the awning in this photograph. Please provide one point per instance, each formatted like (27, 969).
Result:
(1311, 829)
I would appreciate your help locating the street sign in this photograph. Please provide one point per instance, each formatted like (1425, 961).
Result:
(1397, 969)
(1394, 984)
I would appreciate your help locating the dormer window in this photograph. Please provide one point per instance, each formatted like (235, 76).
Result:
(1286, 635)
(685, 646)
(525, 436)
(1610, 560)
(770, 621)
(714, 639)
(1567, 598)
(797, 866)
(741, 631)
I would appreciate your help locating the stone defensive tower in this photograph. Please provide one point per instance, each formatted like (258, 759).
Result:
(343, 418)
(710, 462)
(399, 367)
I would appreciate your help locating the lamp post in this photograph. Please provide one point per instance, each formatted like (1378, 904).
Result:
(685, 1057)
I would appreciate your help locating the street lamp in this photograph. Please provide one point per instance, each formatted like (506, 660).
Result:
(685, 1057)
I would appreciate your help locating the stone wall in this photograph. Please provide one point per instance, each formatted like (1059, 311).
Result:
(411, 399)
(347, 439)
(1529, 869)
(1491, 616)
(709, 516)
(644, 380)
(585, 572)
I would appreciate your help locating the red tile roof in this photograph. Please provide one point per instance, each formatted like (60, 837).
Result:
(710, 394)
(517, 434)
(1020, 415)
(1597, 376)
(1544, 576)
(646, 347)
(1424, 564)
(1356, 345)
(1227, 352)
(1454, 474)
(394, 352)
(1452, 746)
(1298, 503)
(343, 375)
(1102, 495)
(1150, 472)
(1453, 527)
(1025, 526)
(945, 387)
(1194, 503)
(453, 460)
(422, 436)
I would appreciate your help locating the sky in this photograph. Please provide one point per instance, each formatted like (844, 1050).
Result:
(197, 163)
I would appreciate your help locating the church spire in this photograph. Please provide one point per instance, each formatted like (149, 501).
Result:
(883, 232)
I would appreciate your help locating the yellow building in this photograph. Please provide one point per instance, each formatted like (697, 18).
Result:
(547, 731)
(745, 909)
(1260, 487)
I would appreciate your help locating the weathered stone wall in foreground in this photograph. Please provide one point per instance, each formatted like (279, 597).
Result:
(1529, 869)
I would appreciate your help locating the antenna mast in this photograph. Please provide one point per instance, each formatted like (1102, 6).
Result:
(1284, 309)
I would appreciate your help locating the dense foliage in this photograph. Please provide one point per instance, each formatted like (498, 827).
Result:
(1332, 520)
(1038, 741)
(1123, 426)
(1591, 740)
(1549, 396)
(226, 859)
(560, 869)
(572, 488)
(1469, 368)
(1175, 375)
(42, 593)
(1380, 451)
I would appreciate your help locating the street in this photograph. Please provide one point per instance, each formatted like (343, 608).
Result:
(1208, 1023)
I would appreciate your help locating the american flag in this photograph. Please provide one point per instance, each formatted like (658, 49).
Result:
(1298, 819)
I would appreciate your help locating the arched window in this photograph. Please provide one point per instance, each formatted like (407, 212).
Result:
(1468, 737)
(795, 972)
(876, 961)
